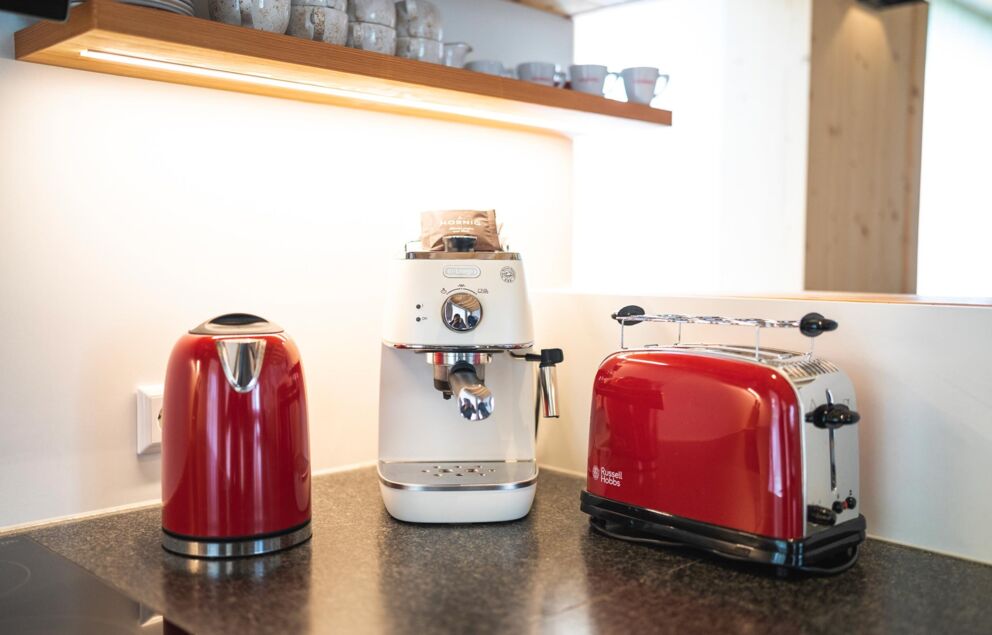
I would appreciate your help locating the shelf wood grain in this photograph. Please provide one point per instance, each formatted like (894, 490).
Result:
(210, 54)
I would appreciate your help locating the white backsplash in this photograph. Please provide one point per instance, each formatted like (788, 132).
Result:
(132, 210)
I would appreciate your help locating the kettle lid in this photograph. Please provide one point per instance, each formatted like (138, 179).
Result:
(237, 324)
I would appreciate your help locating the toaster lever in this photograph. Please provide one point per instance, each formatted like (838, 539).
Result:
(831, 416)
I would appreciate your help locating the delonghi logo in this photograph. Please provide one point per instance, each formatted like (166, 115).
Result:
(607, 477)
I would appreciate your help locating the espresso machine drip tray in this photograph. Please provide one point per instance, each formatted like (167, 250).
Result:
(458, 476)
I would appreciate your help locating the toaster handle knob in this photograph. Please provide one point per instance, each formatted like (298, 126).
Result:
(831, 416)
(628, 311)
(814, 324)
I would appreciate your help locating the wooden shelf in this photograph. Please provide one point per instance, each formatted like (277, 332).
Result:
(109, 37)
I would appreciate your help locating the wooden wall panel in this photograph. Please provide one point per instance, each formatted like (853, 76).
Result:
(865, 128)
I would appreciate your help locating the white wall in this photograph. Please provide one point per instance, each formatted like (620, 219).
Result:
(921, 374)
(507, 31)
(132, 210)
(716, 203)
(955, 218)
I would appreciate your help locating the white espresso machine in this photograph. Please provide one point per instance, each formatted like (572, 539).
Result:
(458, 396)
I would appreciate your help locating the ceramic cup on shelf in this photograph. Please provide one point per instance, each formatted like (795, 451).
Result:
(588, 78)
(372, 37)
(264, 15)
(642, 83)
(373, 11)
(320, 20)
(544, 73)
(455, 54)
(418, 18)
(418, 48)
(489, 67)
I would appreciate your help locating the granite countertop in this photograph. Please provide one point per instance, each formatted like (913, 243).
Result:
(365, 572)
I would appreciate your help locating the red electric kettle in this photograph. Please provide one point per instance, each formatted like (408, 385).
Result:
(235, 441)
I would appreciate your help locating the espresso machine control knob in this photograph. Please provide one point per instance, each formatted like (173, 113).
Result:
(461, 312)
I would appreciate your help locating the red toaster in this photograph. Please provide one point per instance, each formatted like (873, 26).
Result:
(746, 452)
(235, 441)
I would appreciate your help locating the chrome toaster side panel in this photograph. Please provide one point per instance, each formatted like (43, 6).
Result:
(821, 488)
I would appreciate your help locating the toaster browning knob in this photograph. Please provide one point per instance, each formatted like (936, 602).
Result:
(831, 416)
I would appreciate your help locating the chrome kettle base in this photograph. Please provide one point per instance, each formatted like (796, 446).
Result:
(240, 548)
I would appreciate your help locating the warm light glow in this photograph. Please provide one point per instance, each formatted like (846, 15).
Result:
(303, 87)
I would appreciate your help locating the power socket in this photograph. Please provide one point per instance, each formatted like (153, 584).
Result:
(149, 419)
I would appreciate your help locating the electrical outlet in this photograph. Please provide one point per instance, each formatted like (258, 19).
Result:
(149, 419)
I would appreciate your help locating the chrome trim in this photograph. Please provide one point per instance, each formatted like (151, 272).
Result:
(252, 325)
(241, 360)
(480, 348)
(429, 468)
(806, 370)
(461, 312)
(462, 255)
(548, 381)
(235, 548)
(472, 397)
(442, 358)
(798, 367)
(673, 318)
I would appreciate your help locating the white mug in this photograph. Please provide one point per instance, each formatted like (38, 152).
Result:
(455, 53)
(320, 23)
(418, 48)
(589, 78)
(641, 83)
(373, 11)
(418, 18)
(372, 37)
(489, 67)
(544, 73)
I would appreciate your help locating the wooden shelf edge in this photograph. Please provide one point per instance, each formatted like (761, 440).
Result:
(187, 50)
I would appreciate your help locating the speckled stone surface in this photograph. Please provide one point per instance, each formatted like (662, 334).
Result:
(365, 572)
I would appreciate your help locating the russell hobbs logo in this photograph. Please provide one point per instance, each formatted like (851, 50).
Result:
(607, 477)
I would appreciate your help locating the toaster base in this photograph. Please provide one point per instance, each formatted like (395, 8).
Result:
(238, 547)
(818, 553)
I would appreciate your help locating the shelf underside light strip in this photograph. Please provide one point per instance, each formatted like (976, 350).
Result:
(303, 87)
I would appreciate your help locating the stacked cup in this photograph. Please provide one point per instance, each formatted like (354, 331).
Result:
(418, 27)
(373, 25)
(320, 20)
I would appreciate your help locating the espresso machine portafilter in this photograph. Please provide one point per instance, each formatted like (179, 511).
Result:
(448, 453)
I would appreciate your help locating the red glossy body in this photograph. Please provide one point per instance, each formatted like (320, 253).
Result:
(234, 464)
(709, 439)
